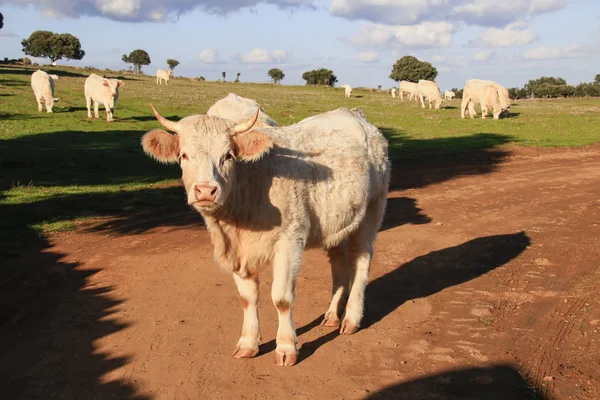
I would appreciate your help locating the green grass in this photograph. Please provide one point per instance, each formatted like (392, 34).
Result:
(58, 168)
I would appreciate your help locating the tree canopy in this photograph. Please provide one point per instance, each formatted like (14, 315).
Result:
(411, 69)
(276, 75)
(548, 86)
(54, 46)
(172, 63)
(137, 58)
(1, 21)
(321, 76)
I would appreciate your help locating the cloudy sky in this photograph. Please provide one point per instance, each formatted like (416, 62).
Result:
(509, 41)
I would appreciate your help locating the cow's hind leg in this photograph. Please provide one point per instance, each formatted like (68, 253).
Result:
(286, 263)
(359, 256)
(247, 346)
(338, 256)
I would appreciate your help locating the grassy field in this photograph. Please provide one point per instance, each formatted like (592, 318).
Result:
(59, 169)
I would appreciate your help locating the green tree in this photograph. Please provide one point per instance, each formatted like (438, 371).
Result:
(321, 76)
(224, 76)
(54, 46)
(237, 78)
(1, 21)
(409, 68)
(548, 86)
(137, 58)
(172, 63)
(276, 75)
(597, 79)
(458, 92)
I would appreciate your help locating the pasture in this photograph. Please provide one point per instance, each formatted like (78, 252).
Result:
(484, 282)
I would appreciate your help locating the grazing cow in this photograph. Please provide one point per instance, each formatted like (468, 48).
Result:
(43, 89)
(102, 91)
(268, 193)
(449, 95)
(486, 95)
(163, 75)
(238, 109)
(394, 92)
(429, 90)
(347, 90)
(408, 88)
(476, 88)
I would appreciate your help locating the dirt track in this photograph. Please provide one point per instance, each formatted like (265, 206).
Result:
(484, 286)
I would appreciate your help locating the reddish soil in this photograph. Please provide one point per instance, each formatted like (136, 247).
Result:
(484, 286)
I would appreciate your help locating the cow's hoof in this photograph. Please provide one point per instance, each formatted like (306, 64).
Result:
(330, 320)
(245, 353)
(348, 328)
(286, 357)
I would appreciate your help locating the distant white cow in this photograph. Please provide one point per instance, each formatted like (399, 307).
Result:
(475, 90)
(101, 91)
(409, 89)
(347, 90)
(394, 93)
(55, 77)
(43, 88)
(239, 109)
(163, 75)
(429, 90)
(449, 95)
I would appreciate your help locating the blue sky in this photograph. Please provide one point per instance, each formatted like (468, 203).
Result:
(509, 41)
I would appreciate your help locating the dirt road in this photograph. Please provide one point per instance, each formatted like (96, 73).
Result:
(484, 286)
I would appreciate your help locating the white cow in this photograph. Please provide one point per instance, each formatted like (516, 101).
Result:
(239, 109)
(475, 90)
(43, 89)
(486, 95)
(266, 194)
(410, 89)
(429, 90)
(347, 90)
(449, 95)
(55, 77)
(163, 75)
(394, 93)
(101, 91)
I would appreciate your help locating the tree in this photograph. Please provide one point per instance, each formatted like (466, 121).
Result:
(237, 78)
(1, 21)
(458, 92)
(172, 63)
(54, 46)
(224, 75)
(548, 86)
(409, 68)
(597, 79)
(137, 58)
(276, 75)
(321, 76)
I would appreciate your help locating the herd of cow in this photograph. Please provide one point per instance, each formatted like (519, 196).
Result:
(490, 95)
(268, 192)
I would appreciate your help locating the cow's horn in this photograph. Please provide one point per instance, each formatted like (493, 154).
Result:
(170, 125)
(245, 126)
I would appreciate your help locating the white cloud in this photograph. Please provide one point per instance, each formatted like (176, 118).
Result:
(482, 56)
(553, 53)
(425, 35)
(438, 58)
(367, 56)
(208, 56)
(148, 10)
(481, 12)
(263, 56)
(514, 34)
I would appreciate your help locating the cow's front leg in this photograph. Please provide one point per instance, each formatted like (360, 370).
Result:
(247, 346)
(286, 264)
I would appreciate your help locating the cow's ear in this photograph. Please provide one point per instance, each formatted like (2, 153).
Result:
(161, 145)
(121, 83)
(252, 145)
(105, 82)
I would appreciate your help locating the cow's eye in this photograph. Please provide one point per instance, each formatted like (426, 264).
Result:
(228, 156)
(183, 156)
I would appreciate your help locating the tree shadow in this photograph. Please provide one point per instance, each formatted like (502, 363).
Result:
(422, 162)
(19, 117)
(493, 382)
(427, 275)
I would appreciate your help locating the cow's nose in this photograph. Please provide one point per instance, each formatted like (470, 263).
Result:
(205, 192)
